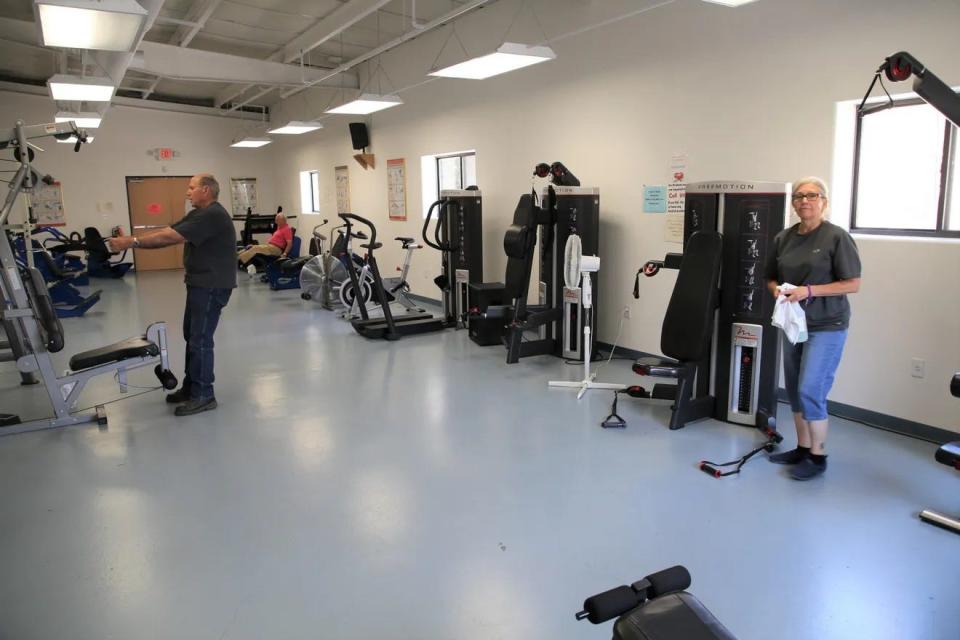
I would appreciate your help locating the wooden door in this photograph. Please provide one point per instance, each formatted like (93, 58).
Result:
(156, 203)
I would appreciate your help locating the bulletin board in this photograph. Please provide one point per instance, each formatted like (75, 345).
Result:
(243, 194)
(47, 203)
(397, 189)
(342, 177)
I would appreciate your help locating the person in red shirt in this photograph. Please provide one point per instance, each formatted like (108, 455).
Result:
(278, 245)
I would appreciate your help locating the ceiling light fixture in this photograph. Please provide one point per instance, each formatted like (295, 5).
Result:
(367, 103)
(108, 25)
(509, 56)
(730, 3)
(251, 143)
(296, 127)
(80, 88)
(88, 120)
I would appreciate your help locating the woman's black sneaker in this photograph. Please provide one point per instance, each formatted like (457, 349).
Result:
(794, 456)
(808, 469)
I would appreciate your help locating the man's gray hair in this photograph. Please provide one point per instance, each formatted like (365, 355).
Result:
(817, 182)
(207, 180)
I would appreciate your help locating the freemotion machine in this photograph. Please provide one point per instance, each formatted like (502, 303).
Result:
(458, 235)
(736, 380)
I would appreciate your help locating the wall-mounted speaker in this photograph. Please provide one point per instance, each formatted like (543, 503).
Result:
(359, 135)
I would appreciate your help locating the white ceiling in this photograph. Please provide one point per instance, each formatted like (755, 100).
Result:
(249, 29)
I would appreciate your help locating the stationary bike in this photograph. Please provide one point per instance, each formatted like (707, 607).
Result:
(324, 274)
(396, 289)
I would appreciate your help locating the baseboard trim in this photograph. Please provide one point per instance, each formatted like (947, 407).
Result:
(425, 299)
(866, 417)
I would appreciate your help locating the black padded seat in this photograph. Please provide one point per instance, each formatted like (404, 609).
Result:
(293, 265)
(658, 367)
(374, 247)
(130, 348)
(404, 240)
(668, 617)
(949, 454)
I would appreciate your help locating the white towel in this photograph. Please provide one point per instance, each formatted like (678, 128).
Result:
(789, 317)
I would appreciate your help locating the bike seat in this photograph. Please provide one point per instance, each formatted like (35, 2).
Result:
(404, 240)
(360, 235)
(375, 245)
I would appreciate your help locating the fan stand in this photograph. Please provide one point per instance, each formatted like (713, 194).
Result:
(588, 377)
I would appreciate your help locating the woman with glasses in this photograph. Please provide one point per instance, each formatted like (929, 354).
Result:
(821, 260)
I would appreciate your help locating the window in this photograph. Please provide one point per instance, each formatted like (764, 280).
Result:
(454, 170)
(310, 192)
(905, 179)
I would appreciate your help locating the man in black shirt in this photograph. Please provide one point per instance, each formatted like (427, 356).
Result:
(209, 258)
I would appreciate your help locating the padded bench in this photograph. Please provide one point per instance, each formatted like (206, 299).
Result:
(138, 347)
(655, 608)
(949, 454)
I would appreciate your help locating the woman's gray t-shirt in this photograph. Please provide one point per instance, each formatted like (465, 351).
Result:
(825, 255)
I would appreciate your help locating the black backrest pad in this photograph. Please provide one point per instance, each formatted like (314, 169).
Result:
(688, 323)
(96, 247)
(46, 315)
(518, 243)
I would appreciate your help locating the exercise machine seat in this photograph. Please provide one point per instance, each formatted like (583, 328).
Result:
(688, 322)
(673, 616)
(949, 454)
(657, 367)
(136, 347)
(374, 246)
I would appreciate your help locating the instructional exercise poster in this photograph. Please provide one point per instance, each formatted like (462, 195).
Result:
(47, 203)
(243, 195)
(397, 189)
(342, 177)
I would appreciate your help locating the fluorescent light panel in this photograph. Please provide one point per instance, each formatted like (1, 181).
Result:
(730, 3)
(296, 127)
(89, 120)
(251, 143)
(79, 88)
(367, 103)
(508, 57)
(108, 25)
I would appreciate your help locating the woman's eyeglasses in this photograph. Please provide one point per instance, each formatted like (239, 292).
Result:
(809, 197)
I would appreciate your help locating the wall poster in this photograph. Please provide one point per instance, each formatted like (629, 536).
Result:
(397, 189)
(47, 203)
(342, 176)
(243, 195)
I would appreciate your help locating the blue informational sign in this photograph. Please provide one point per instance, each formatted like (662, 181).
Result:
(654, 199)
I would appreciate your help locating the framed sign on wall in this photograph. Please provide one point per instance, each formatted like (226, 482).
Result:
(397, 189)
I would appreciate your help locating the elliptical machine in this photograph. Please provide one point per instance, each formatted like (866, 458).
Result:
(389, 327)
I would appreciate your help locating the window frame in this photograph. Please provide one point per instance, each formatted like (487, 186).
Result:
(949, 149)
(447, 156)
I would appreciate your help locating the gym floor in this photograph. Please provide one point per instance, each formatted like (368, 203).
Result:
(425, 490)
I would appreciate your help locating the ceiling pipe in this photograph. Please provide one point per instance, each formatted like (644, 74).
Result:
(410, 35)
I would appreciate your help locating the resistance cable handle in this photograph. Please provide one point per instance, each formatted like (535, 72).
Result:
(438, 245)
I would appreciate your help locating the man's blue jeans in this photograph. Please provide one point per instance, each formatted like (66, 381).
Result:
(200, 318)
(809, 369)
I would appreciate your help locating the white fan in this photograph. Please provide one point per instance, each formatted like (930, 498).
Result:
(576, 270)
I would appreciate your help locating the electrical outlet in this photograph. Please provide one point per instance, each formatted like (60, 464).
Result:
(918, 367)
(626, 312)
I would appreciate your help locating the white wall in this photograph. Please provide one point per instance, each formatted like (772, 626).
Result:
(93, 180)
(746, 94)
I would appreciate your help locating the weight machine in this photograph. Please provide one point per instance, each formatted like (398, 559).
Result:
(32, 328)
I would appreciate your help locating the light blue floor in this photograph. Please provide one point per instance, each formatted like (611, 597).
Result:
(423, 489)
